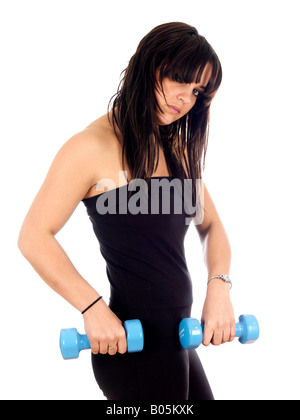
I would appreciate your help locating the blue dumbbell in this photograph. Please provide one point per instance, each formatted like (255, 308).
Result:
(191, 331)
(71, 342)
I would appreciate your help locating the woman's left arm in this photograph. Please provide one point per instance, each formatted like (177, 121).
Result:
(218, 314)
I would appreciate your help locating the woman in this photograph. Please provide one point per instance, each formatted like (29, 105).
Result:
(156, 130)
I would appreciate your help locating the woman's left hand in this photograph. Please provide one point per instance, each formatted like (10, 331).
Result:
(218, 314)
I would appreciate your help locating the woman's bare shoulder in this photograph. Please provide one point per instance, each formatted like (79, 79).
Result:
(72, 173)
(94, 143)
(99, 151)
(99, 134)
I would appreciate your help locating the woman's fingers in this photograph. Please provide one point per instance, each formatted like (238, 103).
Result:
(207, 335)
(112, 349)
(103, 347)
(95, 346)
(112, 344)
(232, 332)
(105, 330)
(212, 335)
(226, 334)
(218, 333)
(122, 342)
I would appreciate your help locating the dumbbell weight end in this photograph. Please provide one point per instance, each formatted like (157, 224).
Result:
(247, 329)
(134, 335)
(190, 333)
(71, 343)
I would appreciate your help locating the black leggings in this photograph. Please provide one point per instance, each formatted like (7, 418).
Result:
(162, 371)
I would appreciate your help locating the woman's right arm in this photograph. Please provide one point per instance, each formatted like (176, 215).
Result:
(71, 175)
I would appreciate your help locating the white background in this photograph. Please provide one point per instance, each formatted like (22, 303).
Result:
(60, 64)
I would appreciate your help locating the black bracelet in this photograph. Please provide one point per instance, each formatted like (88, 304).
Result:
(91, 305)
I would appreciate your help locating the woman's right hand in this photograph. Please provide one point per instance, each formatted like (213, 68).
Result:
(104, 330)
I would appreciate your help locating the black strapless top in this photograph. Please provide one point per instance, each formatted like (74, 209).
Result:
(144, 253)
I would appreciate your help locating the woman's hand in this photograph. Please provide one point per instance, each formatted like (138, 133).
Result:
(218, 315)
(104, 330)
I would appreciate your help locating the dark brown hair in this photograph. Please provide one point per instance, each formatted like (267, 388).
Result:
(180, 53)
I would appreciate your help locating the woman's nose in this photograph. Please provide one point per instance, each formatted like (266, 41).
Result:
(185, 97)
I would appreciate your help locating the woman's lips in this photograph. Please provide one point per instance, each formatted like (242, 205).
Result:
(174, 109)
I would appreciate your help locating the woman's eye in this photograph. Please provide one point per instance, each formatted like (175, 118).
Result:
(196, 92)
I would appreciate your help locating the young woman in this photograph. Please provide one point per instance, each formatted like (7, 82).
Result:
(155, 130)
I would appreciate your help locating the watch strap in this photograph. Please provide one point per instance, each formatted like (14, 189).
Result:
(223, 277)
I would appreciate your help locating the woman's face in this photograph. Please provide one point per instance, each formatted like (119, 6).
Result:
(179, 97)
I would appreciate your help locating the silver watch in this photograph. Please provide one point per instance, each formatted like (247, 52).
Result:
(223, 277)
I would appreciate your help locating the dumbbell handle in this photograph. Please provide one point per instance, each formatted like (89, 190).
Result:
(240, 329)
(84, 342)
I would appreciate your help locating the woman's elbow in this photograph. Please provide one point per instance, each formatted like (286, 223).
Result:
(23, 244)
(27, 241)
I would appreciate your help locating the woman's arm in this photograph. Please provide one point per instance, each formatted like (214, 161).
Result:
(70, 176)
(217, 315)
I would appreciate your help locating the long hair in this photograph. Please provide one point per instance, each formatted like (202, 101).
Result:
(180, 53)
